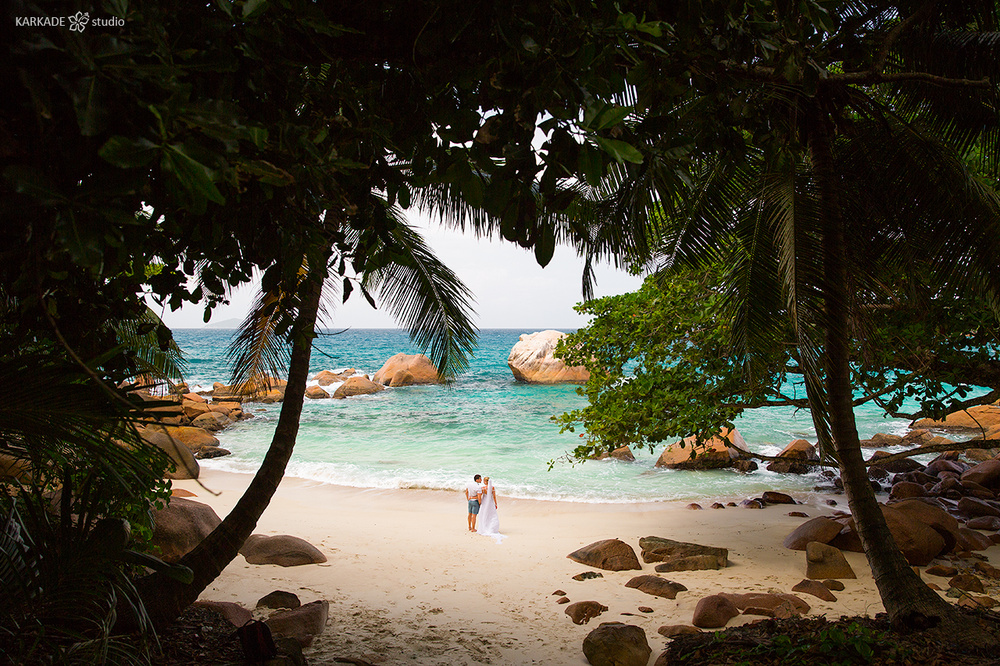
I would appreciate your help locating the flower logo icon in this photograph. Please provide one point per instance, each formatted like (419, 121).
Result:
(79, 21)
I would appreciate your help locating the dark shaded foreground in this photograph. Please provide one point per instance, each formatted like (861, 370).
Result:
(811, 641)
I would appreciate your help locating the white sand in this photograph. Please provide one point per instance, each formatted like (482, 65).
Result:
(408, 584)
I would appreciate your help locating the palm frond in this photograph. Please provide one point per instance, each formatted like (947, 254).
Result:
(161, 360)
(259, 350)
(425, 296)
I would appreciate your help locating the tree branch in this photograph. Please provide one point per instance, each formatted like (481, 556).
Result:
(894, 34)
(938, 448)
(868, 78)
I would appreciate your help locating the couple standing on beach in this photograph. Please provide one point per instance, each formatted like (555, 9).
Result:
(482, 499)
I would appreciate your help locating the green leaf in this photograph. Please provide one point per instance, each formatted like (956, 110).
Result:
(348, 288)
(128, 153)
(269, 173)
(193, 175)
(610, 117)
(591, 164)
(251, 7)
(545, 247)
(621, 151)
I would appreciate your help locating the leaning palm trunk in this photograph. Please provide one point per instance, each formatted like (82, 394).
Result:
(166, 598)
(911, 605)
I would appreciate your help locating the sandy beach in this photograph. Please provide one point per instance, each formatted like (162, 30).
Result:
(408, 584)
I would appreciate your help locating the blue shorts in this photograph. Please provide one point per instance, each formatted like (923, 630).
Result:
(474, 507)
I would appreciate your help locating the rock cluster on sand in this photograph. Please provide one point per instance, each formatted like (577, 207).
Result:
(298, 623)
(533, 360)
(927, 508)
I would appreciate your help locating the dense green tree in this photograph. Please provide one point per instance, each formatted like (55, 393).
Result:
(225, 139)
(820, 146)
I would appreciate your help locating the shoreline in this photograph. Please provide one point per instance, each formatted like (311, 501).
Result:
(407, 583)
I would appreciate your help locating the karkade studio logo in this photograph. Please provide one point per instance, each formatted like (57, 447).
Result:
(77, 22)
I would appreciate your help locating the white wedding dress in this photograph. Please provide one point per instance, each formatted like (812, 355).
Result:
(488, 523)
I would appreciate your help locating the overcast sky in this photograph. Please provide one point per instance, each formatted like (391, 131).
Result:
(509, 288)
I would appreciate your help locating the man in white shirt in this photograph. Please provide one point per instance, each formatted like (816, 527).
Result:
(473, 492)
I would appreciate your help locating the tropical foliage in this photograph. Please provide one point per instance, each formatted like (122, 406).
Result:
(821, 147)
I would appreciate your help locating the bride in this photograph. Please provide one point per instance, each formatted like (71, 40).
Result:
(489, 521)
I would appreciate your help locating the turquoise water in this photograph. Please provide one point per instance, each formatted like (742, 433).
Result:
(484, 422)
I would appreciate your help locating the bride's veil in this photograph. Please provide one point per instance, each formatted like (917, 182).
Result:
(489, 521)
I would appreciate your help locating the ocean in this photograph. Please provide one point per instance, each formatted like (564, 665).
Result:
(438, 437)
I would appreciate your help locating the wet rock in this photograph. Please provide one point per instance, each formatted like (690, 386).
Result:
(824, 561)
(236, 614)
(302, 624)
(986, 474)
(180, 526)
(713, 612)
(659, 549)
(984, 523)
(609, 554)
(588, 575)
(671, 630)
(357, 386)
(316, 393)
(279, 599)
(906, 490)
(941, 571)
(821, 529)
(583, 612)
(617, 644)
(690, 563)
(282, 549)
(772, 497)
(975, 507)
(815, 588)
(656, 586)
(794, 457)
(407, 369)
(716, 453)
(968, 582)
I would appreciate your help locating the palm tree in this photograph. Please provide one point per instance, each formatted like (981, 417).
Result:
(822, 159)
(417, 289)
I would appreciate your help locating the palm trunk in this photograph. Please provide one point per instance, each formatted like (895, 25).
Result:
(164, 597)
(908, 601)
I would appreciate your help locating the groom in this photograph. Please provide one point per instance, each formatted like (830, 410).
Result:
(473, 492)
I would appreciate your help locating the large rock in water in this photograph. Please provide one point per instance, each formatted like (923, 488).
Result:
(713, 454)
(407, 369)
(180, 526)
(791, 457)
(974, 418)
(609, 554)
(532, 360)
(617, 644)
(357, 386)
